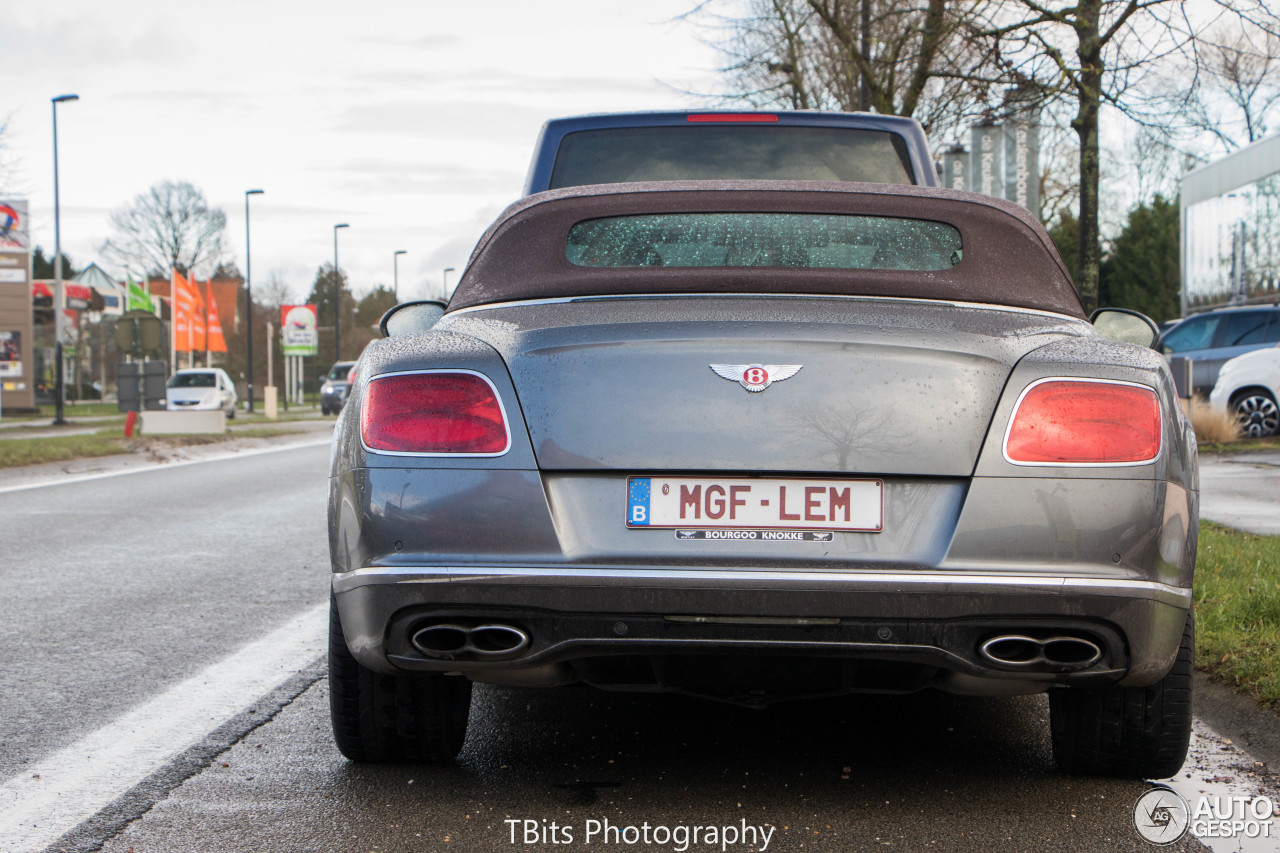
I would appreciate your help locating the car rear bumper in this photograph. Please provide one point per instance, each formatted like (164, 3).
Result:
(929, 619)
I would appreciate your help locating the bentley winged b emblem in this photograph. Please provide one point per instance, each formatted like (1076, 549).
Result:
(756, 377)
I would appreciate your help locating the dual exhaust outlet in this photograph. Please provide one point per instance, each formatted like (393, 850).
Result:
(1062, 653)
(448, 641)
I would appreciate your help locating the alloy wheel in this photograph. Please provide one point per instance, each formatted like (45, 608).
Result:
(1257, 415)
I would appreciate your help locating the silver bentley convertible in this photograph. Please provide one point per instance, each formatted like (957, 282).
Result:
(758, 441)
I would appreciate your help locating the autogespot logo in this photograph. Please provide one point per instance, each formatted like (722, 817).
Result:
(1161, 816)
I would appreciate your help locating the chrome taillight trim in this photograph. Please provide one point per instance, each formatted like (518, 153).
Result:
(506, 422)
(1013, 416)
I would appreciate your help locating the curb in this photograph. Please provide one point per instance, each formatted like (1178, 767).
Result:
(1251, 727)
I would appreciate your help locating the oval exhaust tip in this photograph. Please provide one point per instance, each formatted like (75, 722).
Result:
(1072, 652)
(498, 640)
(1012, 650)
(440, 640)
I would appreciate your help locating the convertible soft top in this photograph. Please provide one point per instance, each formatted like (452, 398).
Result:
(1007, 257)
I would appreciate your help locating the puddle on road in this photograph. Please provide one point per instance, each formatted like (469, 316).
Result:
(1218, 768)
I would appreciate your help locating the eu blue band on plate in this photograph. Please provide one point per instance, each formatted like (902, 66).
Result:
(638, 500)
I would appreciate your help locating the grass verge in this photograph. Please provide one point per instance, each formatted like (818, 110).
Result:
(1241, 445)
(1237, 595)
(37, 451)
(108, 442)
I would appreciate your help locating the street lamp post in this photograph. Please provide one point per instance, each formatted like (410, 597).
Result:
(60, 390)
(395, 261)
(248, 299)
(444, 284)
(337, 297)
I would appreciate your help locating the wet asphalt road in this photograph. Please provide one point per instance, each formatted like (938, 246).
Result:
(872, 773)
(117, 589)
(1242, 490)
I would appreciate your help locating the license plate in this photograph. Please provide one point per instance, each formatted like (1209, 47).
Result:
(755, 504)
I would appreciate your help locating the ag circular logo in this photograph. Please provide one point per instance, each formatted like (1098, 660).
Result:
(1161, 816)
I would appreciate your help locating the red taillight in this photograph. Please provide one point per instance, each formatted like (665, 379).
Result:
(1076, 422)
(433, 413)
(733, 117)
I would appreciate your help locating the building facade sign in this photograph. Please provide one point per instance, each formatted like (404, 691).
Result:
(986, 173)
(1003, 160)
(955, 169)
(17, 333)
(1022, 164)
(10, 355)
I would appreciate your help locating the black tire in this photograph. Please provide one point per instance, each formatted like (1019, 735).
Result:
(324, 410)
(1256, 412)
(1134, 732)
(393, 719)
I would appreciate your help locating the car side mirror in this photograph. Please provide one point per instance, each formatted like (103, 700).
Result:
(410, 318)
(1125, 326)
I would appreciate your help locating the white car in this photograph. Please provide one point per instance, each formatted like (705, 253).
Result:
(201, 389)
(1248, 386)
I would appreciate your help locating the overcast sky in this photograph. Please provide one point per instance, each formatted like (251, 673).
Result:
(413, 121)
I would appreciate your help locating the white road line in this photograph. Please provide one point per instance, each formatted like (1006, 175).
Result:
(160, 466)
(59, 792)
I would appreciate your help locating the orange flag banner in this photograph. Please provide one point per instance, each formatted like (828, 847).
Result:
(198, 323)
(217, 343)
(183, 308)
(188, 315)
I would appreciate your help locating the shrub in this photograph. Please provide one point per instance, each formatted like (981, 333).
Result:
(1212, 425)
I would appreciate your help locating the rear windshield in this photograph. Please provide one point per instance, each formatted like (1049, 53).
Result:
(813, 241)
(617, 155)
(193, 380)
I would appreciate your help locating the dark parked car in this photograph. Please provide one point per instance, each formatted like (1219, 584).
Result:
(1211, 339)
(335, 388)
(758, 441)
(731, 144)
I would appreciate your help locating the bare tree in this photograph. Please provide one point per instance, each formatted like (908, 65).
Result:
(170, 226)
(8, 166)
(1059, 190)
(1237, 94)
(893, 58)
(942, 62)
(1085, 54)
(275, 292)
(1100, 53)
